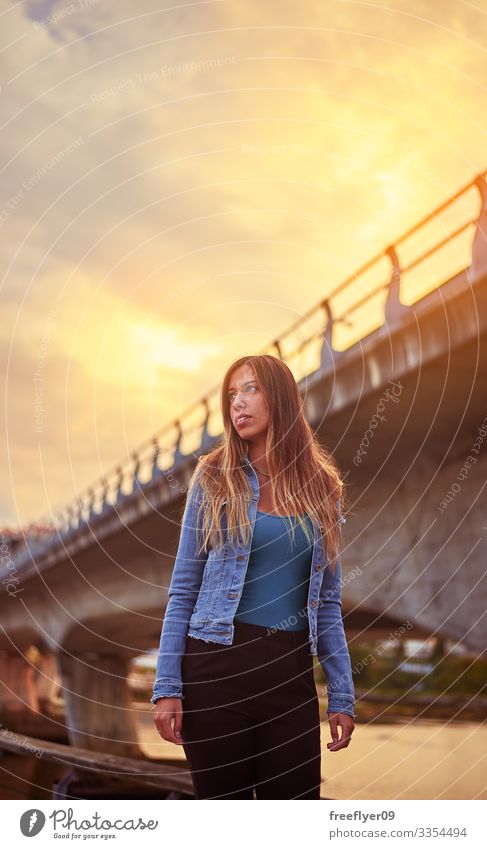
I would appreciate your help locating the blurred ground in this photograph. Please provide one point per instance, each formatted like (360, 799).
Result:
(409, 759)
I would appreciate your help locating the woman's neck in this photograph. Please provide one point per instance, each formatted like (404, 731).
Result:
(257, 456)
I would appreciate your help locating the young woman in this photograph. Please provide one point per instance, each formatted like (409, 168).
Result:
(255, 594)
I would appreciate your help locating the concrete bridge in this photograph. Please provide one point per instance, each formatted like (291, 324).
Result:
(404, 410)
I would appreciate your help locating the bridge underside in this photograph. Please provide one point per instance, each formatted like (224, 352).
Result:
(414, 457)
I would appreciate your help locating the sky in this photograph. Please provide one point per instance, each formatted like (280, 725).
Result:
(181, 182)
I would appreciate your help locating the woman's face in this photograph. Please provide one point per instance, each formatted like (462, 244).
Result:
(246, 398)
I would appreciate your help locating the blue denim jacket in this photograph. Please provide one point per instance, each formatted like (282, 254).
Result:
(205, 591)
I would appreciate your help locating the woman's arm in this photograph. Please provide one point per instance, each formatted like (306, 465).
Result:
(333, 653)
(182, 594)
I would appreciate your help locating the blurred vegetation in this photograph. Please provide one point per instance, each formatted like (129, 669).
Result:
(444, 686)
(450, 675)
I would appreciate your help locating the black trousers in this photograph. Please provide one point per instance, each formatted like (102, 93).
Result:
(251, 716)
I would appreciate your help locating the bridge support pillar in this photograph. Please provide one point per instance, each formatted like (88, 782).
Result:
(47, 685)
(97, 701)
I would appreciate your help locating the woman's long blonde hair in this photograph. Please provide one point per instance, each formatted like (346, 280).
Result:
(304, 476)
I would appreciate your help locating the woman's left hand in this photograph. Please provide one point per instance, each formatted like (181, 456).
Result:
(347, 725)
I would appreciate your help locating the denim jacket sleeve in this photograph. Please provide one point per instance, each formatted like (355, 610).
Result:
(333, 653)
(182, 594)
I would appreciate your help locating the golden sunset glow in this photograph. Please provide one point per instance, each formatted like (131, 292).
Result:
(182, 185)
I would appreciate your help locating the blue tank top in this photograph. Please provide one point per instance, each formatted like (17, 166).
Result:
(275, 591)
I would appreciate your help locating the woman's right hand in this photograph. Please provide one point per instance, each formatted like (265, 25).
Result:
(167, 709)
